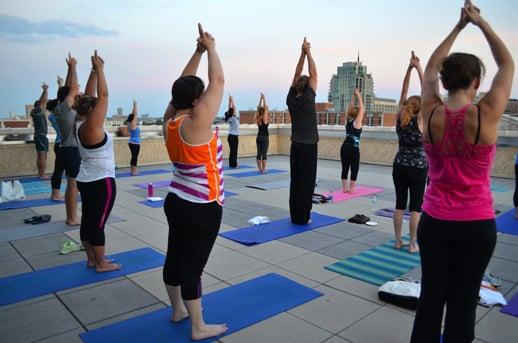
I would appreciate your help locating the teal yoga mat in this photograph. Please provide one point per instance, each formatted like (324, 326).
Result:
(238, 306)
(377, 265)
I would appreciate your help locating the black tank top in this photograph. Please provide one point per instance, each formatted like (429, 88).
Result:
(352, 134)
(263, 130)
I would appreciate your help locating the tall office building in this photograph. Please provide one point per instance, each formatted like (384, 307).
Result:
(349, 76)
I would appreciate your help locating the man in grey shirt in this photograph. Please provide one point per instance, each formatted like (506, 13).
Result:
(65, 117)
(39, 121)
(304, 138)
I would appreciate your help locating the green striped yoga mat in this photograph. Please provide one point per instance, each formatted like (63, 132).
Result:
(377, 265)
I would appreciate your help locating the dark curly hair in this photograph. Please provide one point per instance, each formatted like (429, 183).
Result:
(458, 70)
(185, 91)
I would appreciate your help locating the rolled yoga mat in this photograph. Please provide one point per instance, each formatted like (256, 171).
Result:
(359, 191)
(257, 234)
(45, 281)
(238, 306)
(377, 265)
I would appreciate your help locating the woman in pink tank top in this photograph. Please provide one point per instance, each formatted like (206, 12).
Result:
(457, 231)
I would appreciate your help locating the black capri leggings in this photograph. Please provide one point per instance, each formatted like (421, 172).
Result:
(97, 198)
(350, 156)
(409, 179)
(262, 143)
(233, 143)
(59, 167)
(193, 229)
(135, 150)
(454, 256)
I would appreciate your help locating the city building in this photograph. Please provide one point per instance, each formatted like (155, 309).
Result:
(384, 105)
(28, 109)
(348, 77)
(512, 106)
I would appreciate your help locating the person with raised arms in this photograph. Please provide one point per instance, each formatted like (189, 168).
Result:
(350, 150)
(262, 140)
(232, 118)
(96, 178)
(457, 230)
(409, 166)
(134, 138)
(193, 206)
(304, 138)
(39, 120)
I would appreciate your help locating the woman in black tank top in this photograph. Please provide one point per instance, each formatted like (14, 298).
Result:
(262, 140)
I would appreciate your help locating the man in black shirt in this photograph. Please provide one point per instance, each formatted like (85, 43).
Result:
(304, 138)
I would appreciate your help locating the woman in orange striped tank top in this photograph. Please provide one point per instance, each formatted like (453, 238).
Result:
(194, 204)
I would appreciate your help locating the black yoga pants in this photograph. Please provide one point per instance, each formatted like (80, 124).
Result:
(233, 143)
(59, 168)
(193, 228)
(409, 179)
(262, 143)
(350, 156)
(303, 172)
(135, 150)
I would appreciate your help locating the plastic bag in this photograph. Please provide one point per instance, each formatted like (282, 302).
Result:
(12, 191)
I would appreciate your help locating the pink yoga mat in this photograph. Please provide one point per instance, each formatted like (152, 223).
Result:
(359, 191)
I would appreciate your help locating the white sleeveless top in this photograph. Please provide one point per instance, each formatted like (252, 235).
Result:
(97, 162)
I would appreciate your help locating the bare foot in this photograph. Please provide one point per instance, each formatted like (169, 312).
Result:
(309, 221)
(107, 267)
(398, 244)
(208, 331)
(91, 264)
(413, 248)
(73, 222)
(351, 190)
(44, 177)
(179, 315)
(344, 190)
(57, 199)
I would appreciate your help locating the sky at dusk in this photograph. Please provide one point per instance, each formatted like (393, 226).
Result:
(146, 44)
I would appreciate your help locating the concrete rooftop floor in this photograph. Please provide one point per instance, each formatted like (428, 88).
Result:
(349, 311)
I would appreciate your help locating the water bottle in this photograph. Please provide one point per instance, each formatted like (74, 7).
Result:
(150, 189)
(374, 204)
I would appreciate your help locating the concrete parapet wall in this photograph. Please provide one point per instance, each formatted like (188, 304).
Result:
(19, 159)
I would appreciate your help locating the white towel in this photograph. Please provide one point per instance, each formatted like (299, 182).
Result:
(258, 220)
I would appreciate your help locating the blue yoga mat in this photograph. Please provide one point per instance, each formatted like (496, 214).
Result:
(238, 306)
(499, 188)
(45, 281)
(505, 223)
(10, 205)
(256, 173)
(512, 307)
(257, 234)
(142, 173)
(241, 166)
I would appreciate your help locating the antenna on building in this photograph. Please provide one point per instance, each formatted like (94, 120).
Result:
(358, 55)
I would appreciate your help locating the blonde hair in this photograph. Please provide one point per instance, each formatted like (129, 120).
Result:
(410, 110)
(353, 112)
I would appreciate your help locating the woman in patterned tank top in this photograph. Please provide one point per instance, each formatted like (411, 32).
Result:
(457, 230)
(193, 206)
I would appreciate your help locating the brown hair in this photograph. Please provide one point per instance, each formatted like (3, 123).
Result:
(410, 110)
(459, 69)
(301, 84)
(353, 112)
(84, 104)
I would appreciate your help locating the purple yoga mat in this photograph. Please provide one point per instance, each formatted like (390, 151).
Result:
(389, 213)
(156, 184)
(512, 307)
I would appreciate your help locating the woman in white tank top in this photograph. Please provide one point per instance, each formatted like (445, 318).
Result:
(96, 178)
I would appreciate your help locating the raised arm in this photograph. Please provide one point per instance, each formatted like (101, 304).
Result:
(95, 121)
(168, 114)
(60, 82)
(406, 84)
(192, 66)
(361, 110)
(300, 64)
(134, 121)
(71, 80)
(430, 96)
(266, 114)
(233, 105)
(495, 101)
(311, 67)
(92, 80)
(44, 96)
(206, 109)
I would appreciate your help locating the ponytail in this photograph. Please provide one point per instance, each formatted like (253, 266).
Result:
(410, 110)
